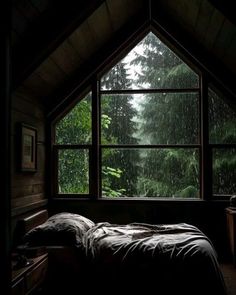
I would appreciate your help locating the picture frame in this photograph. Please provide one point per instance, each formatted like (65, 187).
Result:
(28, 148)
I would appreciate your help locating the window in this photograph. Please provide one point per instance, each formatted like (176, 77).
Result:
(148, 140)
(222, 138)
(73, 138)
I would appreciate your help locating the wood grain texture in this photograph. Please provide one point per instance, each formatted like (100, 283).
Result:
(224, 38)
(100, 26)
(66, 57)
(27, 189)
(215, 24)
(204, 16)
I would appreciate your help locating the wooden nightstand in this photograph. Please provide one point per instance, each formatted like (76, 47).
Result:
(27, 279)
(231, 228)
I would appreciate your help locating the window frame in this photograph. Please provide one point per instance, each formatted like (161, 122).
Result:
(204, 146)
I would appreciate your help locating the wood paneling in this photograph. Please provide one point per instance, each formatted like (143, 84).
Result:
(82, 40)
(25, 104)
(100, 26)
(57, 20)
(38, 87)
(187, 12)
(203, 20)
(224, 38)
(66, 57)
(26, 200)
(211, 32)
(118, 13)
(27, 189)
(133, 7)
(50, 72)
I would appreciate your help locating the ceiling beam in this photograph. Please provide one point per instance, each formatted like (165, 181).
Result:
(46, 33)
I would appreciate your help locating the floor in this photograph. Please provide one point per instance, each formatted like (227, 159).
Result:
(229, 273)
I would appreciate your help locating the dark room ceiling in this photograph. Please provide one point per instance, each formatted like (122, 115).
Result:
(56, 45)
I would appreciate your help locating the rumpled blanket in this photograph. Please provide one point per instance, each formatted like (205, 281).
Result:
(171, 258)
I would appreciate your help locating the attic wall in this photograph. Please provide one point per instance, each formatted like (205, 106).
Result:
(27, 188)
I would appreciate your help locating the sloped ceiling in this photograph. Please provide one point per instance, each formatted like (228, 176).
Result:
(57, 45)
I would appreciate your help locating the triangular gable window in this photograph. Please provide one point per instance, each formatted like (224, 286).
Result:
(150, 65)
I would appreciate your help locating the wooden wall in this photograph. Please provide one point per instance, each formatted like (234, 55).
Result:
(27, 188)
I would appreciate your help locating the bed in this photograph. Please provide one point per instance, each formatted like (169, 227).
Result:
(135, 258)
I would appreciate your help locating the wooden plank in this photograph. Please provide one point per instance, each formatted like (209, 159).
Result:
(25, 190)
(19, 179)
(86, 47)
(224, 38)
(186, 12)
(227, 8)
(20, 103)
(100, 26)
(118, 13)
(29, 95)
(51, 73)
(134, 7)
(38, 86)
(205, 12)
(26, 94)
(28, 207)
(215, 24)
(66, 57)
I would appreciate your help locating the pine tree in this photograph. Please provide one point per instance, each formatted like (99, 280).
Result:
(119, 165)
(167, 118)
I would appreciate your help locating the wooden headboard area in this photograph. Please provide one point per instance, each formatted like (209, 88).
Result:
(27, 223)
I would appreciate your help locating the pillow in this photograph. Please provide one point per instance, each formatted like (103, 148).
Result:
(60, 229)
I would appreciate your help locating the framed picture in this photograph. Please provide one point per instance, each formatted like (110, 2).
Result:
(28, 142)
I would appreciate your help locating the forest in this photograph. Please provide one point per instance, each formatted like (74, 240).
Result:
(150, 141)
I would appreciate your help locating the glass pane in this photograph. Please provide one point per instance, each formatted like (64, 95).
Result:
(73, 171)
(222, 120)
(172, 173)
(160, 118)
(150, 64)
(76, 126)
(224, 171)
